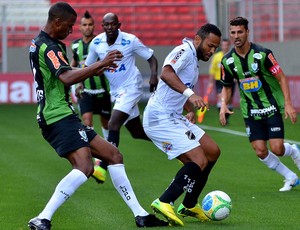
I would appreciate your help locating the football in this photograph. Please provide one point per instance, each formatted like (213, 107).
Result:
(217, 205)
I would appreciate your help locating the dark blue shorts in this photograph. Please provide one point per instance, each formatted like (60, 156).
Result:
(68, 135)
(96, 104)
(265, 129)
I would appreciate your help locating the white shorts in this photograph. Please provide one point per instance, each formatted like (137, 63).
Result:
(173, 134)
(126, 100)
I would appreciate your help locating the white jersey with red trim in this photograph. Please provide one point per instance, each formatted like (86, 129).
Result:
(126, 74)
(183, 60)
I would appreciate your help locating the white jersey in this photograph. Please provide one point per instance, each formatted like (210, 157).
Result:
(163, 121)
(126, 74)
(183, 60)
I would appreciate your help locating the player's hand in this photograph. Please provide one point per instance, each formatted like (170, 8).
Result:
(198, 102)
(78, 90)
(109, 62)
(223, 110)
(153, 83)
(191, 117)
(290, 111)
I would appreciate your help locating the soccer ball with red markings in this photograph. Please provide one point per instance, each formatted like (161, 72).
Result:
(217, 205)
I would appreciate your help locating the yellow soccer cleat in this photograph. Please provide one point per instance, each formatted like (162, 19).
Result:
(195, 212)
(99, 174)
(167, 210)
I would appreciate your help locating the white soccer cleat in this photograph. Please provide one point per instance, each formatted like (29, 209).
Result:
(289, 184)
(296, 159)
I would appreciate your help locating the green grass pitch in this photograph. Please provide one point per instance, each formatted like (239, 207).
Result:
(30, 170)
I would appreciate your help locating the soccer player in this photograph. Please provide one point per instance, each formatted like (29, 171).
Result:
(177, 135)
(126, 82)
(215, 74)
(61, 126)
(93, 93)
(265, 97)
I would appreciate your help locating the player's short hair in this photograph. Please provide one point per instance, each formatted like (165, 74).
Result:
(208, 28)
(60, 10)
(239, 21)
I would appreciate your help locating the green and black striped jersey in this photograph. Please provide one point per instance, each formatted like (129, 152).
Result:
(260, 92)
(97, 85)
(48, 59)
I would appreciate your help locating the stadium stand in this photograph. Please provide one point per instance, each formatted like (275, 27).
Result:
(153, 21)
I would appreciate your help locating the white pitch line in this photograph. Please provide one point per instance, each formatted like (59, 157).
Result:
(237, 133)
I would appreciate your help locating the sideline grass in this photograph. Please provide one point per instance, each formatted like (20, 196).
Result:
(30, 170)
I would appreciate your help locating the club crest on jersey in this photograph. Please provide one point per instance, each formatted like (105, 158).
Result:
(177, 56)
(249, 85)
(167, 146)
(83, 135)
(254, 67)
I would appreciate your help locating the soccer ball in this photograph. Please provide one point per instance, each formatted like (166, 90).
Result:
(217, 205)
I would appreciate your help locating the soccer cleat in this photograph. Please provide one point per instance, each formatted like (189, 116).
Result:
(149, 221)
(296, 159)
(99, 174)
(167, 210)
(195, 212)
(39, 224)
(289, 184)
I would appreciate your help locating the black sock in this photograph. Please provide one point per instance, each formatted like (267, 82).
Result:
(184, 180)
(191, 198)
(114, 137)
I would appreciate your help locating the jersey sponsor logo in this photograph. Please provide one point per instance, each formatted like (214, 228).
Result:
(125, 42)
(272, 59)
(61, 56)
(222, 73)
(275, 129)
(177, 56)
(97, 41)
(249, 85)
(229, 61)
(257, 56)
(167, 146)
(121, 68)
(32, 47)
(263, 112)
(275, 69)
(54, 59)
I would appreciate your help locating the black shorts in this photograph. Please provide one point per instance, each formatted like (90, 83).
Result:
(219, 86)
(265, 129)
(96, 104)
(68, 135)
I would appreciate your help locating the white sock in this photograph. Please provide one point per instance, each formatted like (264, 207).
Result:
(65, 188)
(273, 162)
(105, 133)
(123, 186)
(290, 151)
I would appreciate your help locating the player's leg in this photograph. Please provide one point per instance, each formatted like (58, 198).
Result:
(190, 206)
(64, 137)
(277, 145)
(136, 129)
(110, 154)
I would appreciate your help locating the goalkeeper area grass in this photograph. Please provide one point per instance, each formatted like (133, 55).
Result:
(30, 170)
